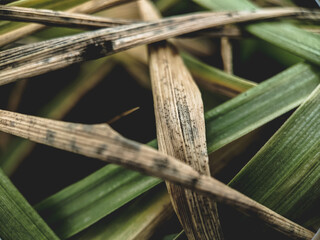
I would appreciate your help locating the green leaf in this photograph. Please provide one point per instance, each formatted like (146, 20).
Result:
(226, 4)
(278, 54)
(135, 221)
(222, 82)
(18, 220)
(284, 35)
(285, 174)
(87, 201)
(178, 236)
(260, 105)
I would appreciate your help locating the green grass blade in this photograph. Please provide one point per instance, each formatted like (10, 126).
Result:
(220, 81)
(230, 120)
(18, 220)
(260, 105)
(134, 221)
(91, 74)
(84, 203)
(284, 35)
(285, 174)
(178, 236)
(227, 4)
(280, 55)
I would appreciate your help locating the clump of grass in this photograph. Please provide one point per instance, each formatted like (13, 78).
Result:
(279, 178)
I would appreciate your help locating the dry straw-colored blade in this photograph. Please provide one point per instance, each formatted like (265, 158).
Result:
(12, 34)
(58, 18)
(101, 142)
(317, 236)
(98, 5)
(35, 59)
(70, 19)
(181, 132)
(226, 55)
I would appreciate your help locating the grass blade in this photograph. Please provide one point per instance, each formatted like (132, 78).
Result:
(84, 203)
(58, 18)
(180, 132)
(285, 174)
(276, 96)
(216, 80)
(317, 236)
(226, 55)
(100, 141)
(18, 220)
(284, 35)
(134, 222)
(11, 31)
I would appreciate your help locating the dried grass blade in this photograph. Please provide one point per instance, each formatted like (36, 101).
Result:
(70, 19)
(230, 31)
(317, 236)
(181, 132)
(101, 142)
(34, 59)
(94, 6)
(226, 55)
(88, 7)
(58, 18)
